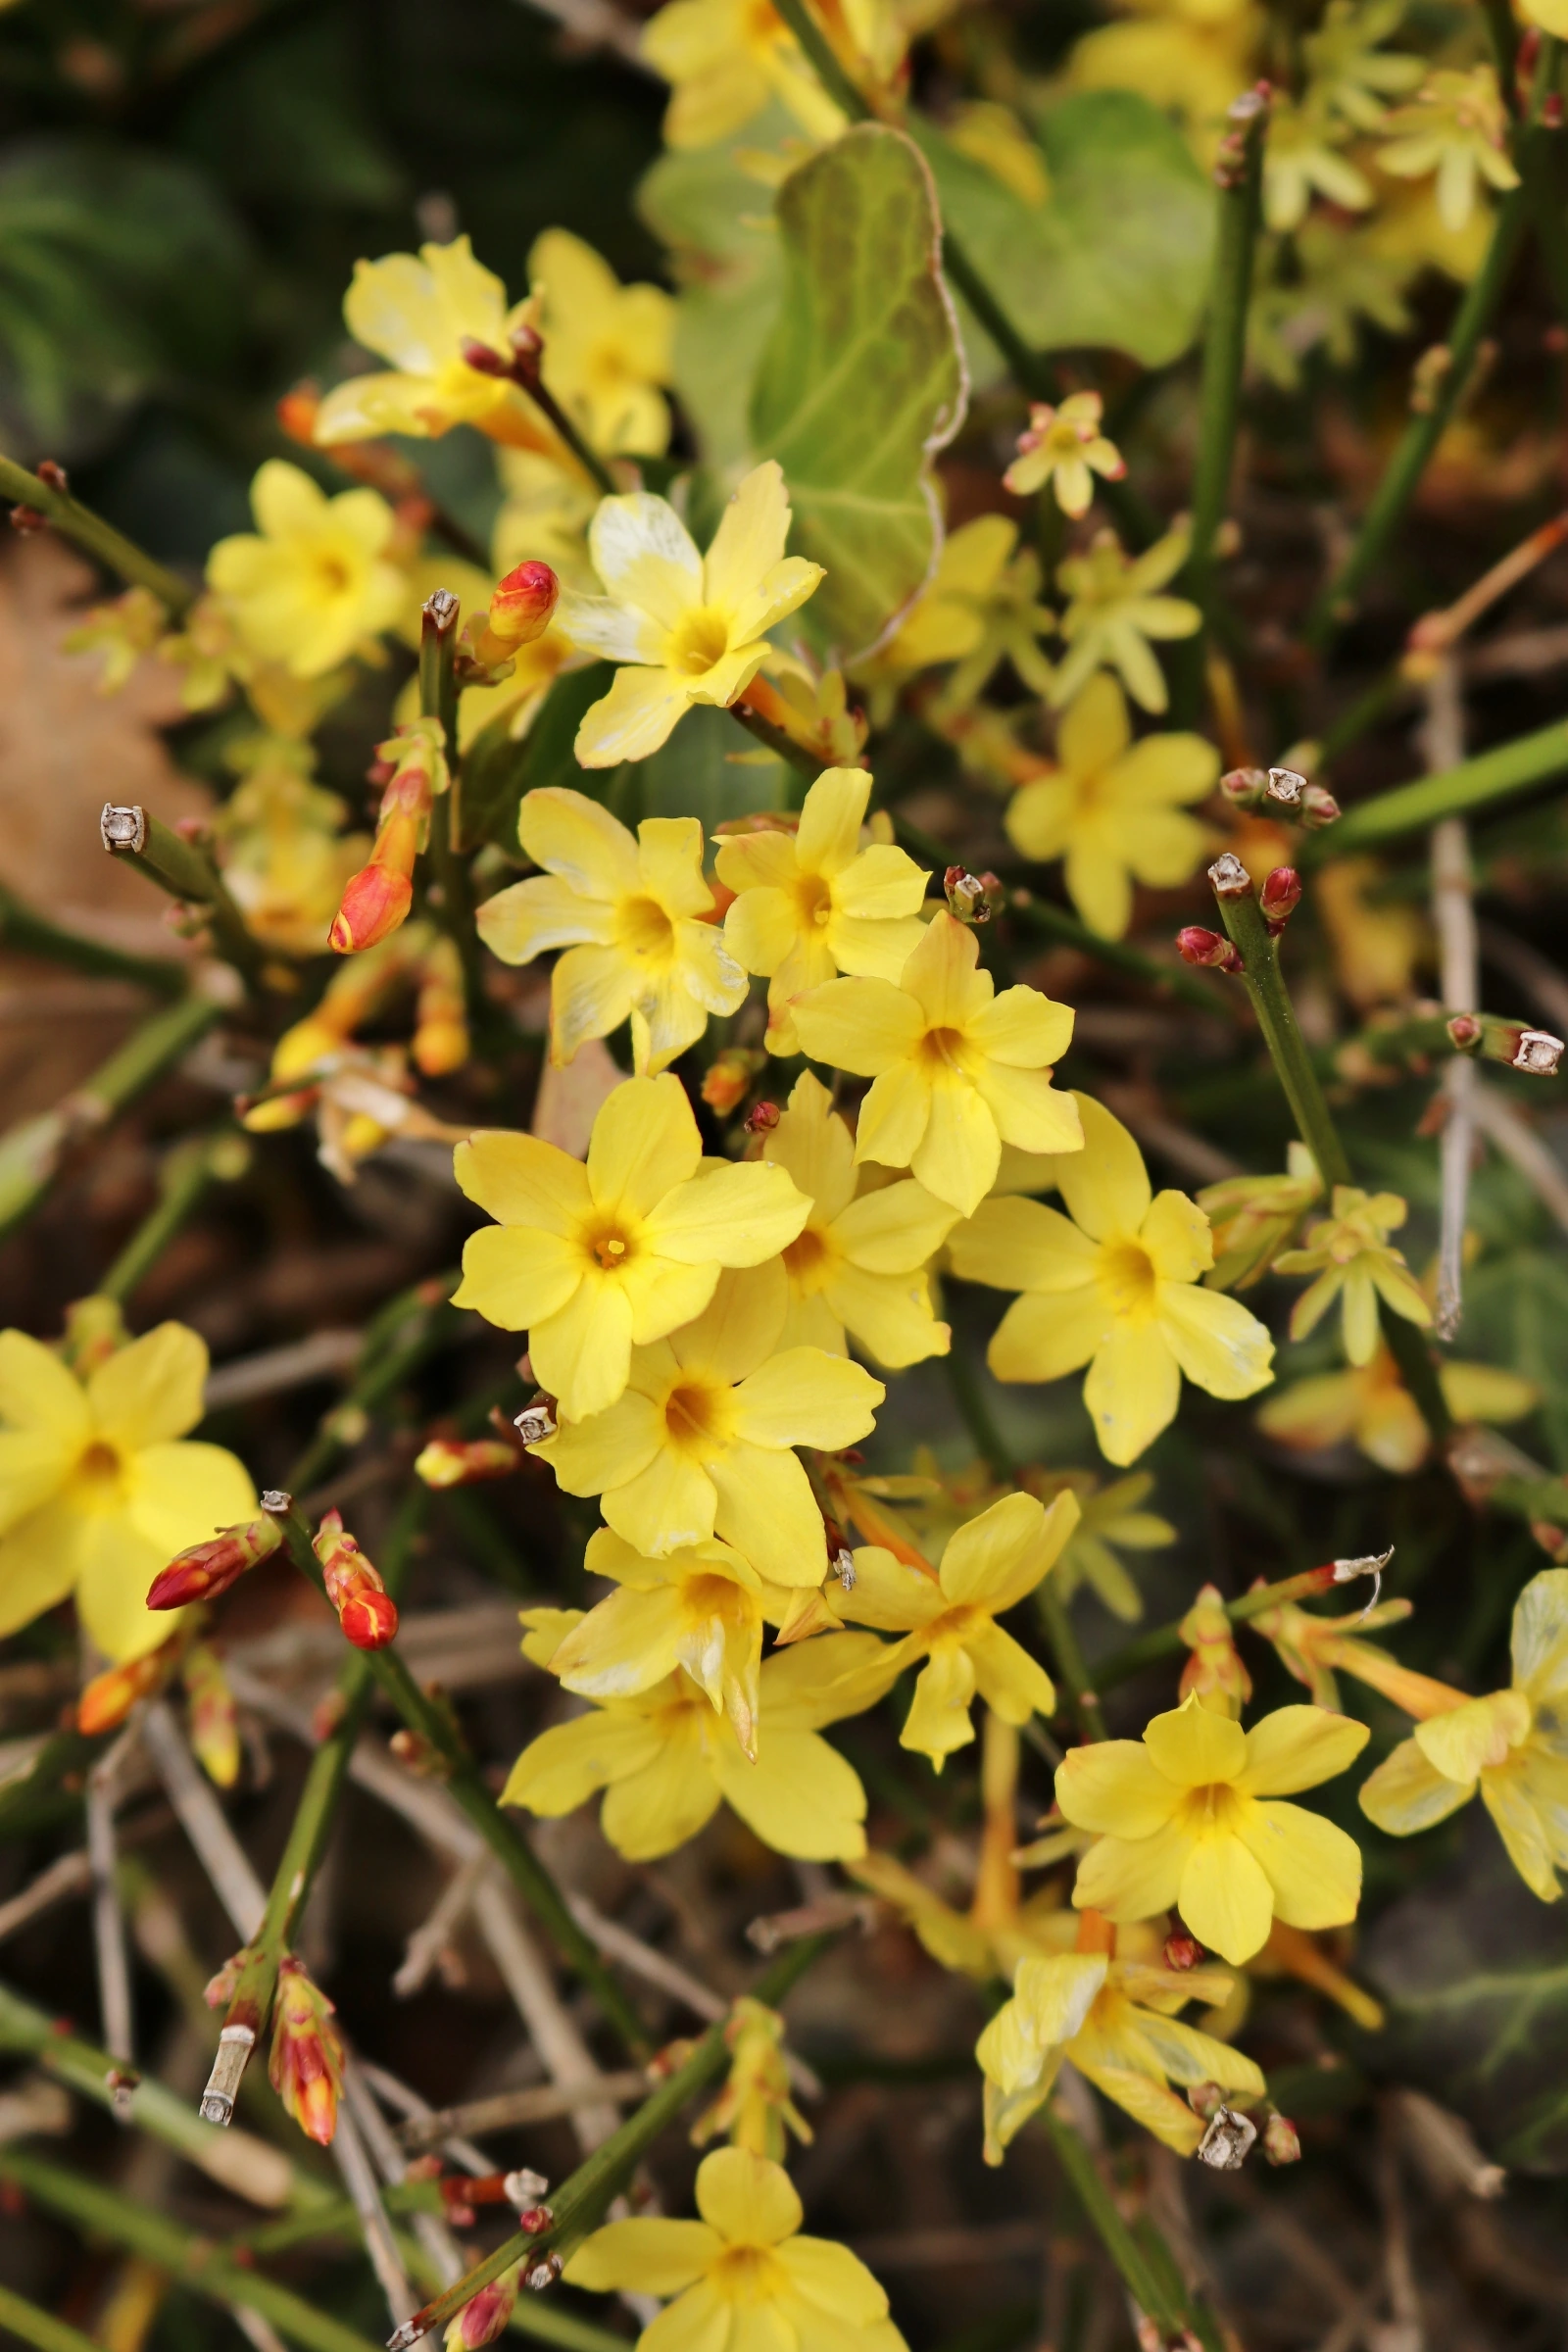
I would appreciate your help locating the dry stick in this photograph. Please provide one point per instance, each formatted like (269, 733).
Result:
(66, 1875)
(539, 2103)
(562, 2051)
(1523, 1149)
(107, 1918)
(431, 1937)
(1459, 978)
(1248, 933)
(1529, 969)
(185, 870)
(440, 2246)
(272, 1370)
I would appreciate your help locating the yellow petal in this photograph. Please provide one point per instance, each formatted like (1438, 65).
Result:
(115, 1566)
(670, 1502)
(894, 1115)
(1031, 1114)
(804, 1397)
(611, 1449)
(800, 1796)
(1093, 731)
(1176, 1234)
(577, 838)
(1313, 1868)
(37, 1393)
(889, 1314)
(734, 1216)
(41, 1559)
(1150, 2103)
(1013, 1684)
(894, 1230)
(1225, 1896)
(1406, 1793)
(938, 1721)
(633, 719)
(1001, 1554)
(178, 1493)
(33, 1466)
(151, 1389)
(1193, 1747)
(654, 2257)
(581, 1355)
(1048, 1335)
(764, 1506)
(1107, 1186)
(1130, 1878)
(1131, 1391)
(864, 1026)
(748, 2200)
(1023, 1028)
(563, 1767)
(829, 836)
(514, 1276)
(1013, 1244)
(1462, 1742)
(626, 1644)
(669, 1800)
(644, 1144)
(1296, 1748)
(524, 921)
(1521, 1831)
(1114, 1787)
(1541, 1636)
(521, 1180)
(749, 538)
(889, 1593)
(1056, 1995)
(836, 2280)
(958, 1155)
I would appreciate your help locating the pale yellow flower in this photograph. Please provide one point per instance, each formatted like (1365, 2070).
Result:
(1113, 808)
(313, 584)
(1064, 446)
(692, 628)
(1369, 1405)
(727, 58)
(628, 908)
(1302, 158)
(1350, 1254)
(419, 312)
(1116, 1287)
(1114, 613)
(607, 346)
(812, 901)
(1455, 126)
(957, 1070)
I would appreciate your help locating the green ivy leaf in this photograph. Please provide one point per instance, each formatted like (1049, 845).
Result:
(861, 379)
(1120, 252)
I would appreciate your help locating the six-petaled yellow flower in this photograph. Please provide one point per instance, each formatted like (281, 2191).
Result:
(743, 2278)
(691, 628)
(1456, 126)
(607, 346)
(668, 1759)
(312, 584)
(1064, 446)
(856, 1268)
(812, 901)
(592, 1259)
(1115, 609)
(700, 1443)
(724, 59)
(1117, 1286)
(949, 1620)
(631, 911)
(1113, 809)
(1188, 1818)
(957, 1070)
(1349, 1253)
(1512, 1748)
(100, 1486)
(979, 607)
(1370, 1404)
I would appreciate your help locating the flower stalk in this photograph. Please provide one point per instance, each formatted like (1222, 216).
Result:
(1238, 175)
(1165, 1640)
(438, 700)
(52, 499)
(187, 1175)
(185, 870)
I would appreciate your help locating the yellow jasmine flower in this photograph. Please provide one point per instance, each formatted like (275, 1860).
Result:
(1112, 807)
(1117, 1286)
(700, 1608)
(1184, 1819)
(980, 605)
(1347, 67)
(99, 1488)
(607, 346)
(1115, 2020)
(1255, 1216)
(589, 1260)
(957, 1070)
(313, 583)
(1114, 613)
(420, 314)
(856, 1268)
(755, 2107)
(694, 628)
(1513, 1746)
(1110, 1519)
(1369, 1405)
(992, 1563)
(633, 914)
(743, 2279)
(812, 901)
(1065, 448)
(667, 1760)
(1190, 60)
(1301, 159)
(700, 1443)
(1349, 1253)
(1456, 126)
(284, 860)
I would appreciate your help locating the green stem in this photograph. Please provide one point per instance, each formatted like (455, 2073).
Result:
(40, 2328)
(579, 2202)
(1368, 707)
(1242, 918)
(1225, 338)
(31, 1153)
(1062, 1636)
(194, 2261)
(1479, 783)
(1167, 980)
(187, 1173)
(95, 537)
(1400, 477)
(438, 700)
(782, 746)
(434, 1726)
(27, 933)
(50, 1789)
(1139, 2275)
(397, 1340)
(186, 871)
(1165, 1640)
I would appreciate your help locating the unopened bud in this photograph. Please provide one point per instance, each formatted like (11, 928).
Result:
(420, 1755)
(1245, 786)
(110, 1697)
(537, 1420)
(1182, 1951)
(219, 1990)
(483, 2319)
(214, 1716)
(366, 1610)
(447, 1462)
(1285, 787)
(481, 358)
(53, 474)
(1224, 2146)
(728, 1077)
(534, 2220)
(762, 1118)
(967, 894)
(376, 903)
(205, 1570)
(1319, 807)
(1229, 878)
(306, 2069)
(1281, 2144)
(1205, 2099)
(1280, 897)
(24, 520)
(521, 605)
(1208, 948)
(1465, 1031)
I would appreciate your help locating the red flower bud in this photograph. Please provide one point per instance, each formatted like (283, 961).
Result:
(482, 2320)
(1210, 948)
(366, 1610)
(206, 1569)
(306, 2069)
(1280, 2144)
(1182, 1951)
(1245, 786)
(110, 1697)
(1280, 896)
(762, 1118)
(375, 902)
(447, 1462)
(1319, 807)
(522, 605)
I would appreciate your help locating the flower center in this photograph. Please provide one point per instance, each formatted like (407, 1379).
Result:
(645, 928)
(99, 1469)
(610, 1249)
(694, 1416)
(331, 576)
(813, 901)
(806, 1259)
(942, 1051)
(1128, 1279)
(1215, 1807)
(698, 640)
(749, 2275)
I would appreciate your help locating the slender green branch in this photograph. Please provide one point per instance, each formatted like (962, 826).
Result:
(185, 870)
(24, 931)
(194, 2261)
(1167, 980)
(95, 537)
(438, 700)
(409, 1328)
(782, 746)
(1138, 2273)
(31, 1153)
(1062, 1636)
(1479, 783)
(1400, 477)
(587, 456)
(1242, 918)
(187, 1173)
(1239, 175)
(50, 1787)
(435, 1726)
(40, 2328)
(1165, 1640)
(580, 2201)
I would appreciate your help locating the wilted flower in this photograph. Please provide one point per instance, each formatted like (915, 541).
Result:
(754, 2109)
(1255, 1216)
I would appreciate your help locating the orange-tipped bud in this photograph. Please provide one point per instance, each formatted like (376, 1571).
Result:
(449, 1463)
(366, 1610)
(728, 1078)
(298, 411)
(110, 1697)
(522, 605)
(208, 1569)
(307, 2063)
(214, 1717)
(481, 2319)
(1214, 1671)
(376, 900)
(440, 1026)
